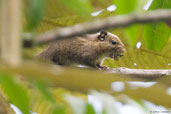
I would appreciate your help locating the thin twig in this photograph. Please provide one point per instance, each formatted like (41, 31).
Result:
(101, 24)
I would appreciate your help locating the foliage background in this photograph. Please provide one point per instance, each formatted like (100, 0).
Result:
(42, 97)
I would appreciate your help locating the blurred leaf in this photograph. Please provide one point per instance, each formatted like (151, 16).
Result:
(44, 90)
(5, 107)
(40, 105)
(104, 111)
(141, 4)
(57, 14)
(35, 10)
(125, 6)
(158, 4)
(107, 101)
(59, 110)
(83, 7)
(151, 93)
(99, 4)
(156, 35)
(90, 109)
(77, 104)
(141, 104)
(16, 93)
(132, 34)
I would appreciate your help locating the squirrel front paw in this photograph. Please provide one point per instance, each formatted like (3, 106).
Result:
(102, 67)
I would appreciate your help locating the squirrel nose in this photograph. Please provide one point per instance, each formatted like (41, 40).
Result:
(121, 55)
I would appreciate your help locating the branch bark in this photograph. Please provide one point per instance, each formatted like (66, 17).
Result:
(57, 73)
(101, 24)
(141, 73)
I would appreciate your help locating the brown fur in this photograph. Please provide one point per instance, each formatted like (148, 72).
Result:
(88, 50)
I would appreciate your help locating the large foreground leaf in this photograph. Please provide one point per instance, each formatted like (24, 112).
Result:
(16, 93)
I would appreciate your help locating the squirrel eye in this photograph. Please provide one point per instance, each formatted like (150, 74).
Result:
(113, 42)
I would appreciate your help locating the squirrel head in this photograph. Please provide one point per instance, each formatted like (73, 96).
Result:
(116, 48)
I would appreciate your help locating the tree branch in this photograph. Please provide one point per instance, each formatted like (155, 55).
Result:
(101, 24)
(41, 70)
(141, 73)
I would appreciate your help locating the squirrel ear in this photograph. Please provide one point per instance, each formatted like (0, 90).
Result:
(102, 35)
(103, 32)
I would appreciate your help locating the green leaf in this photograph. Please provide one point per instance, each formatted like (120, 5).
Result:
(132, 34)
(82, 7)
(90, 109)
(59, 110)
(16, 92)
(44, 90)
(34, 13)
(158, 4)
(140, 5)
(125, 6)
(77, 104)
(156, 35)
